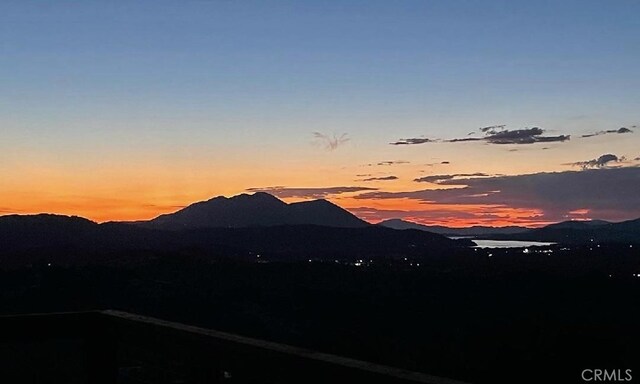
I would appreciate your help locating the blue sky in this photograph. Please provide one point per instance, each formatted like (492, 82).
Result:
(353, 58)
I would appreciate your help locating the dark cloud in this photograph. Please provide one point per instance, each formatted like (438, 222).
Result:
(608, 193)
(309, 193)
(412, 141)
(552, 139)
(438, 163)
(521, 136)
(600, 162)
(396, 162)
(331, 142)
(363, 175)
(384, 163)
(521, 149)
(498, 134)
(518, 136)
(383, 178)
(436, 179)
(464, 139)
(619, 131)
(492, 129)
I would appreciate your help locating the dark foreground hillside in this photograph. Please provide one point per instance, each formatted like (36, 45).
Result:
(62, 240)
(511, 317)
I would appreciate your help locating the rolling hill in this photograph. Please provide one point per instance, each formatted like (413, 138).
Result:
(449, 231)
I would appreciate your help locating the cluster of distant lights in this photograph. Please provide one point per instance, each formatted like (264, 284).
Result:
(634, 275)
(362, 262)
(357, 263)
(546, 250)
(527, 250)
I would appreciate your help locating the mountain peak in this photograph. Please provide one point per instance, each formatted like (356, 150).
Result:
(244, 197)
(317, 202)
(257, 209)
(259, 195)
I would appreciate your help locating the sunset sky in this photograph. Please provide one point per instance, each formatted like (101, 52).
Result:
(447, 112)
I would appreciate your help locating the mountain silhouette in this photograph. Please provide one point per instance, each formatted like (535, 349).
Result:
(577, 224)
(247, 225)
(33, 231)
(60, 237)
(241, 227)
(628, 226)
(468, 231)
(583, 232)
(257, 210)
(63, 240)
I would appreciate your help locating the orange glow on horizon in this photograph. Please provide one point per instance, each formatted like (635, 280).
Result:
(102, 209)
(450, 215)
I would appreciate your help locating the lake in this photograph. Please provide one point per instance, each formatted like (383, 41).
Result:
(509, 244)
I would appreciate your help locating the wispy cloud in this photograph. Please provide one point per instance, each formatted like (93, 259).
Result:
(618, 131)
(412, 141)
(7, 210)
(386, 163)
(436, 179)
(331, 142)
(395, 162)
(438, 163)
(600, 162)
(490, 129)
(521, 136)
(383, 178)
(495, 134)
(309, 193)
